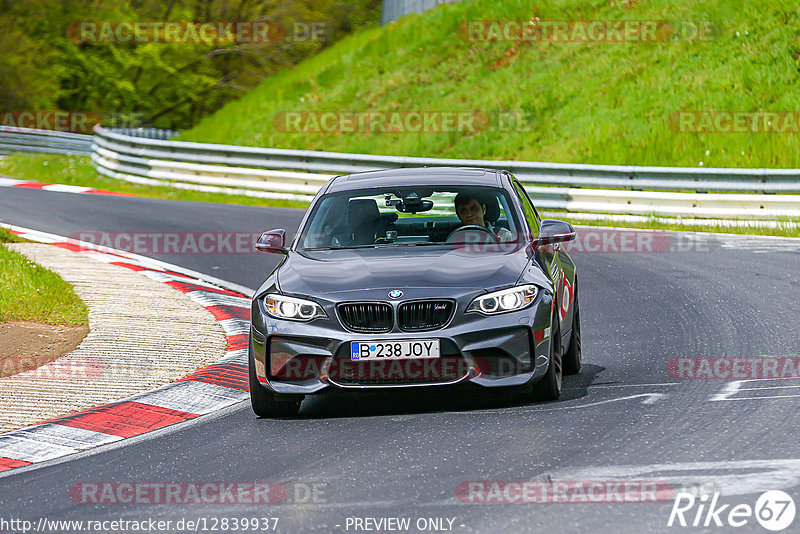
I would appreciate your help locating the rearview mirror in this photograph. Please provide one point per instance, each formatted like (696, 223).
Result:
(553, 231)
(272, 241)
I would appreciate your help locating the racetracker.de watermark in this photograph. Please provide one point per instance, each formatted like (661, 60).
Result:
(563, 491)
(733, 122)
(372, 122)
(731, 367)
(81, 122)
(190, 32)
(198, 493)
(173, 242)
(585, 31)
(69, 367)
(594, 241)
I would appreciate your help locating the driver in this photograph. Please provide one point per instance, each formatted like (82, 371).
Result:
(471, 209)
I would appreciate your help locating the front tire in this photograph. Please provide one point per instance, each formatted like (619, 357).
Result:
(265, 404)
(572, 358)
(549, 387)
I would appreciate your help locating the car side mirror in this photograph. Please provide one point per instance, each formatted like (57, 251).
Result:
(272, 241)
(553, 231)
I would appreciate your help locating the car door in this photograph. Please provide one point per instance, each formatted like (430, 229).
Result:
(555, 260)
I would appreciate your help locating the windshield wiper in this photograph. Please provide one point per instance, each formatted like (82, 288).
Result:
(337, 248)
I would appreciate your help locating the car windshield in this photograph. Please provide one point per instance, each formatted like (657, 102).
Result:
(411, 216)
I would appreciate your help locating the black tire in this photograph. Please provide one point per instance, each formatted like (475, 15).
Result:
(265, 403)
(572, 358)
(549, 387)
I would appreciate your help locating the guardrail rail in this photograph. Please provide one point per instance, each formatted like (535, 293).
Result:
(149, 156)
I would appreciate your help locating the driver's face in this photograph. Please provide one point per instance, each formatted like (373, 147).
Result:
(471, 213)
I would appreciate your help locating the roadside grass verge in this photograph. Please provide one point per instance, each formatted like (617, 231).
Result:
(7, 236)
(79, 170)
(786, 228)
(29, 292)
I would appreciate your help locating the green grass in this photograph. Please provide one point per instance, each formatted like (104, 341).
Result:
(7, 236)
(602, 103)
(78, 170)
(28, 292)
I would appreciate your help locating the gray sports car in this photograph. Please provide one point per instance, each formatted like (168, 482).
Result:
(415, 278)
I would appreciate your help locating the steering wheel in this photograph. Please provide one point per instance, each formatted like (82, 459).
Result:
(471, 227)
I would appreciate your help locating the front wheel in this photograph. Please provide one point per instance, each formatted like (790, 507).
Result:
(549, 387)
(264, 402)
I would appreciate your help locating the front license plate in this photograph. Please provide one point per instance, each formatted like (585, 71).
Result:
(394, 350)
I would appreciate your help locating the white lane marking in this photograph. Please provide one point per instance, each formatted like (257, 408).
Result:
(48, 440)
(207, 298)
(649, 398)
(732, 388)
(728, 390)
(9, 182)
(64, 188)
(740, 479)
(593, 386)
(190, 396)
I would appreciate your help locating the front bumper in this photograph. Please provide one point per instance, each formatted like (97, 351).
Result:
(511, 349)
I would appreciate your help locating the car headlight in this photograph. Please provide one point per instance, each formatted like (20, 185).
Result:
(291, 308)
(506, 300)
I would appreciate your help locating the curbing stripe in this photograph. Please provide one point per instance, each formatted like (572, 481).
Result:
(188, 287)
(9, 182)
(231, 376)
(50, 440)
(189, 395)
(59, 188)
(222, 313)
(31, 185)
(237, 356)
(207, 390)
(215, 299)
(125, 419)
(8, 463)
(236, 327)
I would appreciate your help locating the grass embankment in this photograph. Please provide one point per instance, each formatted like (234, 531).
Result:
(599, 102)
(31, 293)
(78, 170)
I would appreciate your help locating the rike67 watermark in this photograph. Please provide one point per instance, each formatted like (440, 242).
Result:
(774, 510)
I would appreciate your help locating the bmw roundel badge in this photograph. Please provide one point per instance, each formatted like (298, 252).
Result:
(395, 294)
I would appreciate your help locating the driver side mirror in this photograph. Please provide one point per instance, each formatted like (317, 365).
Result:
(553, 231)
(272, 241)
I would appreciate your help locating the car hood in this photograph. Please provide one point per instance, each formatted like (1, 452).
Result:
(333, 271)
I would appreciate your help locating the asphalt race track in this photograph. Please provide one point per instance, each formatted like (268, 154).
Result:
(623, 418)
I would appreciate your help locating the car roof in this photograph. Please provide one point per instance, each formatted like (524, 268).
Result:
(447, 176)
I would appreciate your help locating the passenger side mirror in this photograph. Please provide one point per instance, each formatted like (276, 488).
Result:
(553, 231)
(272, 241)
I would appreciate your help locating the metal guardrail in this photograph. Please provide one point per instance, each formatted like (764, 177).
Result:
(392, 10)
(148, 156)
(576, 188)
(30, 140)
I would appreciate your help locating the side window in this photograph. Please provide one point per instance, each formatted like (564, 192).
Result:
(530, 212)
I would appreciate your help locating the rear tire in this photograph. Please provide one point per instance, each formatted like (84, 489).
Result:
(265, 403)
(572, 358)
(549, 387)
